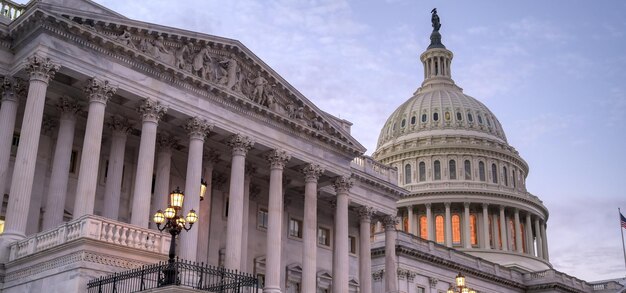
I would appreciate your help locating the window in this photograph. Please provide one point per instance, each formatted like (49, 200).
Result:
(506, 176)
(423, 227)
(456, 229)
(437, 170)
(491, 231)
(323, 236)
(16, 139)
(447, 116)
(459, 116)
(421, 290)
(494, 173)
(422, 171)
(1, 226)
(295, 228)
(473, 231)
(435, 116)
(352, 244)
(226, 203)
(262, 218)
(499, 234)
(468, 170)
(523, 237)
(514, 181)
(470, 118)
(439, 230)
(407, 173)
(513, 242)
(481, 171)
(488, 121)
(480, 119)
(403, 122)
(413, 120)
(452, 167)
(73, 158)
(424, 117)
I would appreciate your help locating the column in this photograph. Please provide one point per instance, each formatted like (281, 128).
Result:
(391, 270)
(151, 112)
(429, 222)
(410, 219)
(530, 249)
(448, 225)
(240, 146)
(120, 128)
(466, 225)
(485, 244)
(44, 153)
(546, 256)
(312, 174)
(539, 239)
(40, 70)
(365, 250)
(503, 235)
(518, 232)
(204, 221)
(12, 91)
(277, 159)
(57, 190)
(341, 250)
(160, 198)
(197, 129)
(99, 92)
(250, 170)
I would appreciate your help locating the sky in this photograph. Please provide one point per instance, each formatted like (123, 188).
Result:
(553, 72)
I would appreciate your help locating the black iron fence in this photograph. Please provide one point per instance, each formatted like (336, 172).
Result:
(178, 273)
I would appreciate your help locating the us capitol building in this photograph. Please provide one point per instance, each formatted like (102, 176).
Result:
(103, 116)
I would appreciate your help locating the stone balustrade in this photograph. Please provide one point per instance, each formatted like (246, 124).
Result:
(93, 228)
(375, 168)
(11, 9)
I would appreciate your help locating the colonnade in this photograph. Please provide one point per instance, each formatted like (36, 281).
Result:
(98, 92)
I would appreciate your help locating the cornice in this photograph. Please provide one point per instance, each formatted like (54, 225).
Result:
(392, 191)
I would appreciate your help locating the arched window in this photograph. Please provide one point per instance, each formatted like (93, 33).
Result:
(468, 170)
(405, 223)
(413, 120)
(435, 116)
(491, 230)
(422, 171)
(480, 119)
(424, 117)
(437, 166)
(481, 171)
(447, 116)
(423, 227)
(456, 229)
(488, 121)
(459, 116)
(452, 167)
(407, 173)
(513, 242)
(470, 118)
(439, 230)
(499, 233)
(514, 181)
(494, 173)
(403, 123)
(506, 176)
(473, 231)
(523, 237)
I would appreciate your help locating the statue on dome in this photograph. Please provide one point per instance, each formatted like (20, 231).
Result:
(435, 20)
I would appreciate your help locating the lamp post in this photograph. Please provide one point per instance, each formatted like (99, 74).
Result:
(174, 224)
(460, 286)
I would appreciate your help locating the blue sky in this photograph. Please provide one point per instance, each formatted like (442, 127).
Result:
(553, 72)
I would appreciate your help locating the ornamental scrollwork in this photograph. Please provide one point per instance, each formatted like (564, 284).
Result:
(343, 184)
(240, 144)
(41, 68)
(151, 110)
(119, 124)
(278, 158)
(365, 213)
(198, 128)
(312, 172)
(12, 88)
(99, 90)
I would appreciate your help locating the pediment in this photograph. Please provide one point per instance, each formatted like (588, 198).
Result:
(219, 68)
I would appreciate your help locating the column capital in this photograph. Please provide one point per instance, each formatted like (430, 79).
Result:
(516, 211)
(166, 142)
(41, 68)
(47, 125)
(428, 205)
(68, 107)
(389, 222)
(278, 159)
(151, 110)
(250, 169)
(343, 184)
(501, 207)
(485, 205)
(365, 213)
(240, 144)
(12, 88)
(447, 204)
(312, 172)
(99, 90)
(119, 125)
(466, 205)
(198, 128)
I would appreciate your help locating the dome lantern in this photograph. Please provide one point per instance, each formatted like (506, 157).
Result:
(437, 58)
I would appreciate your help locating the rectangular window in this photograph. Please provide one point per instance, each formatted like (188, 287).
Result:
(226, 206)
(295, 228)
(73, 158)
(323, 236)
(261, 218)
(1, 226)
(352, 244)
(421, 290)
(16, 139)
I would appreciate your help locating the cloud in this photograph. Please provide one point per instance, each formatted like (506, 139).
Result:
(535, 129)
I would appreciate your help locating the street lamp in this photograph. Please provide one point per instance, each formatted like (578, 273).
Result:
(460, 286)
(175, 223)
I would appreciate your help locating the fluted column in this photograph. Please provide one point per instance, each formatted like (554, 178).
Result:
(409, 210)
(503, 235)
(391, 269)
(466, 225)
(311, 173)
(518, 232)
(99, 92)
(448, 225)
(197, 129)
(277, 159)
(44, 153)
(429, 222)
(250, 170)
(160, 198)
(12, 91)
(40, 70)
(530, 249)
(120, 127)
(365, 250)
(539, 239)
(240, 146)
(57, 190)
(204, 222)
(151, 112)
(485, 243)
(341, 250)
(546, 255)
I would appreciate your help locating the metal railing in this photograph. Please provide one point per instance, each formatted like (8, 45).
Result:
(201, 277)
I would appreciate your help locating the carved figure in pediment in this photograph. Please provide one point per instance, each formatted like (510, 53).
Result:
(126, 39)
(157, 50)
(230, 73)
(179, 56)
(318, 123)
(295, 111)
(202, 64)
(258, 94)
